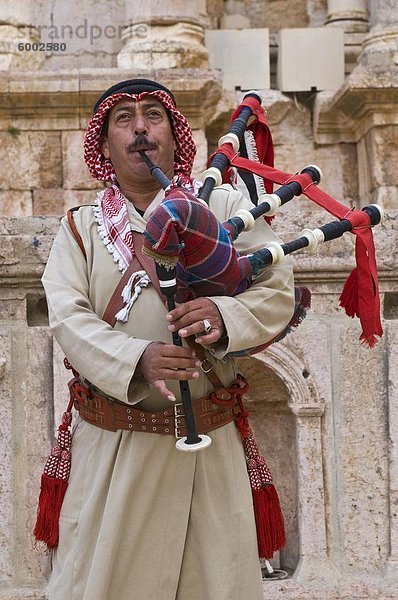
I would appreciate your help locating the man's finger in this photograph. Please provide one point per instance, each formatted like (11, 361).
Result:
(185, 308)
(161, 386)
(179, 374)
(188, 318)
(210, 338)
(179, 363)
(176, 352)
(194, 329)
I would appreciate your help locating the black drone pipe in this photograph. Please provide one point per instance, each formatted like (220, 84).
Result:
(219, 160)
(330, 231)
(168, 285)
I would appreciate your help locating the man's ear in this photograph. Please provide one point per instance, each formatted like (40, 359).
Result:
(105, 147)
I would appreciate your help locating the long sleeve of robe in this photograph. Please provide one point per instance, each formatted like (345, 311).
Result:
(140, 520)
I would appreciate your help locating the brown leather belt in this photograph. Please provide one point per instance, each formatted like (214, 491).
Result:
(113, 415)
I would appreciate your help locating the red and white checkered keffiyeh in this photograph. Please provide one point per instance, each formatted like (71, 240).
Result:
(101, 167)
(111, 214)
(110, 209)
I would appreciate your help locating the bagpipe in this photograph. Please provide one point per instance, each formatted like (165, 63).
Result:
(195, 255)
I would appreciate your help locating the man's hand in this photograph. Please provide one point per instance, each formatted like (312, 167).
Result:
(188, 319)
(165, 361)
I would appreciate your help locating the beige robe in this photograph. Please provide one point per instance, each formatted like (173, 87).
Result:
(140, 520)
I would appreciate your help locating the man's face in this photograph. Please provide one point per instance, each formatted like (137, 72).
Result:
(134, 126)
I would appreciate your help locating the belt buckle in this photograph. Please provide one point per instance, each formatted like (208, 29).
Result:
(177, 415)
(206, 366)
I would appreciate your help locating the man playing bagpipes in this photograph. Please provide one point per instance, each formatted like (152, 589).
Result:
(139, 520)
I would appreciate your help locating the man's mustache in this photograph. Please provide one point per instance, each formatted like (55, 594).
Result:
(141, 142)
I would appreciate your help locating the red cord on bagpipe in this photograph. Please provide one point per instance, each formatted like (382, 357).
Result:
(167, 233)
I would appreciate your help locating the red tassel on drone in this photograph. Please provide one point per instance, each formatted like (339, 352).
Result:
(360, 295)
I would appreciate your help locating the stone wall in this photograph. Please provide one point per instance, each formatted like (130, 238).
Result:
(324, 407)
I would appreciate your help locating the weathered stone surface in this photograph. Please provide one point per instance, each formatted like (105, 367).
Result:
(377, 162)
(262, 13)
(317, 11)
(392, 409)
(38, 417)
(23, 594)
(382, 13)
(48, 202)
(234, 22)
(202, 152)
(274, 428)
(30, 160)
(11, 56)
(177, 10)
(215, 8)
(58, 201)
(77, 197)
(384, 141)
(7, 471)
(15, 203)
(338, 164)
(361, 450)
(287, 121)
(356, 589)
(350, 15)
(76, 173)
(91, 35)
(386, 196)
(179, 45)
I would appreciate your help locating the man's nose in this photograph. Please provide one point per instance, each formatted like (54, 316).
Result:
(140, 126)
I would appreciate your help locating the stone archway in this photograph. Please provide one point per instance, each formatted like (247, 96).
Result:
(286, 417)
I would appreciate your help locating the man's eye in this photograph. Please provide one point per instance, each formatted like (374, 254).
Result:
(154, 113)
(123, 116)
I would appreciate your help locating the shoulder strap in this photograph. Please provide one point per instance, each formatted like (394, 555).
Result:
(146, 262)
(73, 227)
(116, 301)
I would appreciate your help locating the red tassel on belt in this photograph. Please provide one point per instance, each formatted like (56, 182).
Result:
(270, 524)
(54, 482)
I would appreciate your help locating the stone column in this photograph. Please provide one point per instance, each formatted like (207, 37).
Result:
(364, 110)
(392, 409)
(379, 58)
(163, 34)
(350, 15)
(26, 397)
(17, 30)
(314, 562)
(380, 47)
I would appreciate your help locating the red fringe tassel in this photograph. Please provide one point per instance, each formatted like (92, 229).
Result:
(52, 492)
(349, 300)
(269, 521)
(349, 295)
(270, 524)
(54, 482)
